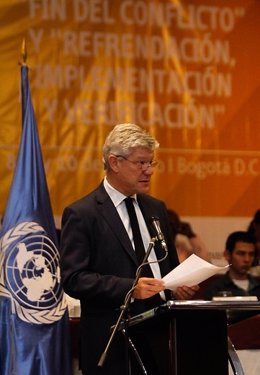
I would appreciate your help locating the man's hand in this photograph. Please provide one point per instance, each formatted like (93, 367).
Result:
(185, 292)
(147, 287)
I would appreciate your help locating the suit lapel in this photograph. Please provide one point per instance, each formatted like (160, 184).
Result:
(110, 214)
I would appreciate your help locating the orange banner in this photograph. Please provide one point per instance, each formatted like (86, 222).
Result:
(188, 71)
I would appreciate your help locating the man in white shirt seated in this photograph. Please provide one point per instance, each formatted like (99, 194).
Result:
(240, 253)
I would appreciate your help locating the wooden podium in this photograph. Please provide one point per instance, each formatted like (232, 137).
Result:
(198, 339)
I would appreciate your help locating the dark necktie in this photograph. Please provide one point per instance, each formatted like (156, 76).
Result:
(138, 242)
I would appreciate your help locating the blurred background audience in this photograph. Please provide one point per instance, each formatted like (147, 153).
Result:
(254, 230)
(186, 241)
(240, 252)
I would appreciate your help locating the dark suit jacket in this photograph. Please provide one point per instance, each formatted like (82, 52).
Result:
(98, 266)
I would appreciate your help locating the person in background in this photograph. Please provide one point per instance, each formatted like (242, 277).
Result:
(99, 261)
(186, 241)
(237, 281)
(254, 230)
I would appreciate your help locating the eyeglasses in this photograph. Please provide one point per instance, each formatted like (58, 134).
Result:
(140, 164)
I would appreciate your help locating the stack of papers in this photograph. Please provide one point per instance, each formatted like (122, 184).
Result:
(191, 272)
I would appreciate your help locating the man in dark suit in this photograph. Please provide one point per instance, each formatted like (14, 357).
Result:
(99, 262)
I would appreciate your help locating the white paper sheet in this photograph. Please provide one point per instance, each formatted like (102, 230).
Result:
(191, 272)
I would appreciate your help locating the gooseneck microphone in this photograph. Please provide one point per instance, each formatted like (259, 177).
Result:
(159, 234)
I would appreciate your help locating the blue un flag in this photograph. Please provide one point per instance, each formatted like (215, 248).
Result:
(34, 330)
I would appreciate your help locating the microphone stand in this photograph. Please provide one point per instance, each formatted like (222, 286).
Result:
(124, 307)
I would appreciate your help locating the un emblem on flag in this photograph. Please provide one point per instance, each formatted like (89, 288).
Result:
(32, 271)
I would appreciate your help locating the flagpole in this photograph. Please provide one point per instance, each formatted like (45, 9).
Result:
(24, 52)
(24, 77)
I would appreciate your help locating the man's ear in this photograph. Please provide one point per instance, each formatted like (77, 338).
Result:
(113, 162)
(227, 256)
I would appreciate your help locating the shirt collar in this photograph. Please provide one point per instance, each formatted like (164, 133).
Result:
(115, 195)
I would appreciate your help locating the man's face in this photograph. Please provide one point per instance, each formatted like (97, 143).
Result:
(241, 258)
(132, 175)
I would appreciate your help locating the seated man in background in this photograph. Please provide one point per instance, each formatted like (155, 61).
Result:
(186, 241)
(254, 230)
(237, 281)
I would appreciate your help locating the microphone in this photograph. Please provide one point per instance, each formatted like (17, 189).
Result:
(159, 234)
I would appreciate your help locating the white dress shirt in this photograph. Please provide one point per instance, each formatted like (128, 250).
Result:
(118, 200)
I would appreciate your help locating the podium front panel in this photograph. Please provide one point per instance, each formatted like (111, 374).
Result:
(188, 337)
(198, 342)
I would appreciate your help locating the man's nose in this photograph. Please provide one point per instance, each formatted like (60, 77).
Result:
(149, 171)
(248, 258)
